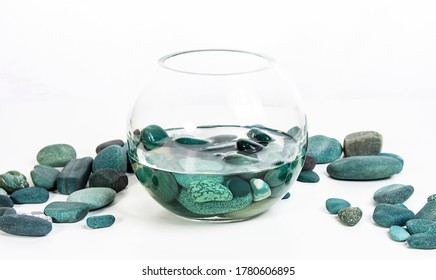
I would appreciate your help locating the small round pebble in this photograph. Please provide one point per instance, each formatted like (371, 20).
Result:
(101, 221)
(333, 205)
(308, 176)
(56, 155)
(393, 194)
(350, 215)
(398, 233)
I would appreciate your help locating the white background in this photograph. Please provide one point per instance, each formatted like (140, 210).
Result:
(69, 70)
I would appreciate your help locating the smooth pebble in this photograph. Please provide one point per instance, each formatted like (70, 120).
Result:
(393, 194)
(32, 195)
(422, 241)
(350, 215)
(13, 180)
(74, 176)
(398, 233)
(109, 178)
(66, 212)
(56, 155)
(114, 157)
(387, 215)
(100, 221)
(333, 205)
(324, 149)
(308, 176)
(96, 197)
(24, 225)
(44, 176)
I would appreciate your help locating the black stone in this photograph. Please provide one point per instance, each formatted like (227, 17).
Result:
(248, 146)
(109, 178)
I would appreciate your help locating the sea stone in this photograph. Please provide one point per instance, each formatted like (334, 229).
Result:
(294, 132)
(5, 201)
(109, 178)
(364, 168)
(56, 155)
(393, 194)
(191, 141)
(163, 186)
(66, 212)
(421, 226)
(239, 187)
(422, 241)
(259, 136)
(102, 146)
(387, 215)
(222, 138)
(260, 188)
(204, 191)
(101, 221)
(153, 136)
(74, 176)
(185, 179)
(248, 146)
(24, 225)
(7, 211)
(113, 157)
(3, 192)
(254, 209)
(44, 176)
(277, 176)
(31, 195)
(398, 233)
(428, 211)
(395, 156)
(287, 195)
(308, 176)
(12, 181)
(350, 215)
(333, 205)
(324, 149)
(96, 197)
(363, 143)
(239, 159)
(143, 174)
(309, 163)
(431, 198)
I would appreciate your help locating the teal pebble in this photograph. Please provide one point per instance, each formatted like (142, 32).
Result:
(428, 211)
(364, 168)
(394, 156)
(33, 195)
(5, 201)
(44, 176)
(398, 233)
(66, 212)
(12, 181)
(204, 191)
(387, 215)
(113, 157)
(101, 221)
(191, 141)
(24, 225)
(153, 136)
(239, 159)
(56, 155)
(96, 197)
(350, 215)
(259, 136)
(431, 198)
(239, 187)
(324, 149)
(421, 226)
(163, 187)
(287, 195)
(333, 205)
(7, 211)
(393, 194)
(74, 176)
(143, 174)
(185, 179)
(422, 241)
(308, 176)
(277, 176)
(108, 178)
(260, 189)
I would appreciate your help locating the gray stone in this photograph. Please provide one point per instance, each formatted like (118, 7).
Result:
(31, 195)
(109, 178)
(74, 176)
(350, 215)
(96, 197)
(333, 205)
(12, 181)
(101, 221)
(387, 215)
(44, 176)
(363, 143)
(422, 241)
(324, 149)
(428, 211)
(24, 225)
(7, 211)
(56, 155)
(66, 212)
(393, 194)
(114, 157)
(309, 163)
(102, 146)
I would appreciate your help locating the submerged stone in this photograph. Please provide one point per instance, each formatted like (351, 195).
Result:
(31, 195)
(239, 187)
(74, 176)
(259, 136)
(204, 191)
(387, 215)
(350, 215)
(96, 197)
(363, 143)
(398, 233)
(56, 155)
(185, 179)
(101, 221)
(44, 176)
(191, 141)
(113, 157)
(260, 189)
(239, 159)
(428, 211)
(12, 181)
(277, 176)
(248, 146)
(333, 205)
(308, 176)
(422, 241)
(200, 165)
(393, 194)
(324, 149)
(66, 212)
(163, 186)
(153, 136)
(24, 225)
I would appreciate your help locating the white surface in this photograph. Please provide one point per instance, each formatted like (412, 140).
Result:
(69, 71)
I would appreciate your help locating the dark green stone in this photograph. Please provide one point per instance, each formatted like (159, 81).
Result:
(277, 176)
(387, 215)
(393, 194)
(66, 212)
(428, 211)
(5, 201)
(309, 163)
(350, 215)
(12, 181)
(74, 176)
(143, 174)
(7, 211)
(259, 136)
(24, 225)
(239, 187)
(114, 157)
(422, 241)
(287, 195)
(56, 155)
(308, 176)
(191, 141)
(109, 178)
(33, 195)
(324, 149)
(102, 146)
(163, 186)
(153, 136)
(248, 146)
(101, 221)
(44, 176)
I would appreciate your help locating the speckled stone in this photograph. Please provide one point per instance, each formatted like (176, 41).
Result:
(102, 146)
(109, 178)
(308, 176)
(363, 143)
(393, 194)
(259, 136)
(239, 187)
(74, 176)
(101, 221)
(163, 186)
(205, 191)
(421, 226)
(56, 155)
(7, 211)
(387, 215)
(260, 189)
(333, 205)
(350, 215)
(33, 195)
(364, 168)
(239, 159)
(287, 195)
(191, 141)
(5, 201)
(422, 241)
(309, 163)
(248, 146)
(153, 136)
(113, 157)
(12, 181)
(428, 211)
(44, 176)
(96, 197)
(66, 212)
(398, 233)
(24, 225)
(431, 198)
(324, 149)
(395, 156)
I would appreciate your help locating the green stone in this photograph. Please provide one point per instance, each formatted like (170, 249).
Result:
(259, 136)
(12, 181)
(56, 155)
(101, 221)
(393, 194)
(96, 198)
(364, 168)
(277, 176)
(66, 212)
(308, 176)
(254, 209)
(395, 156)
(428, 211)
(74, 176)
(31, 195)
(260, 189)
(287, 195)
(153, 136)
(5, 201)
(204, 191)
(248, 146)
(363, 143)
(7, 211)
(113, 157)
(44, 176)
(387, 215)
(191, 141)
(239, 159)
(24, 225)
(398, 233)
(350, 215)
(333, 205)
(163, 186)
(239, 187)
(109, 178)
(324, 149)
(422, 241)
(143, 174)
(185, 179)
(421, 226)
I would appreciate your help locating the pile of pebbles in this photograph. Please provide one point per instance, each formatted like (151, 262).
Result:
(86, 183)
(360, 158)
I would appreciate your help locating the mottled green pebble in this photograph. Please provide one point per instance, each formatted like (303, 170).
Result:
(287, 195)
(422, 241)
(350, 215)
(44, 176)
(66, 212)
(13, 180)
(3, 192)
(56, 155)
(204, 191)
(324, 149)
(333, 205)
(113, 157)
(153, 136)
(5, 201)
(398, 233)
(101, 221)
(31, 195)
(185, 179)
(393, 194)
(421, 226)
(387, 215)
(431, 198)
(163, 186)
(428, 211)
(96, 197)
(24, 225)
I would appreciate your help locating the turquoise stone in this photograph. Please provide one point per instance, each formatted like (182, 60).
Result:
(31, 195)
(387, 215)
(422, 241)
(395, 156)
(421, 226)
(153, 136)
(56, 155)
(431, 198)
(12, 181)
(5, 201)
(260, 189)
(44, 176)
(259, 136)
(363, 143)
(109, 178)
(277, 176)
(279, 191)
(239, 159)
(96, 197)
(7, 211)
(333, 205)
(185, 179)
(398, 233)
(163, 186)
(239, 187)
(428, 211)
(287, 195)
(393, 194)
(350, 215)
(113, 157)
(191, 141)
(101, 221)
(74, 176)
(248, 146)
(364, 168)
(324, 149)
(204, 191)
(66, 212)
(24, 225)
(143, 174)
(308, 176)
(106, 144)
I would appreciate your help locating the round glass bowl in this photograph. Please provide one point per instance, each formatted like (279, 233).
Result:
(217, 135)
